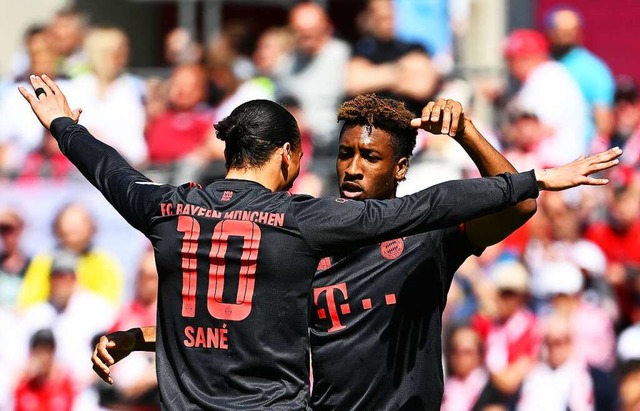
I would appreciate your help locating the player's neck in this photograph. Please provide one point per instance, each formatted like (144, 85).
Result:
(258, 175)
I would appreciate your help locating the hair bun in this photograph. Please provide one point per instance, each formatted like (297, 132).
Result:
(229, 131)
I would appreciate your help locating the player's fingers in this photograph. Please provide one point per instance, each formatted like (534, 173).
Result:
(36, 83)
(99, 366)
(607, 155)
(594, 168)
(28, 96)
(104, 376)
(416, 122)
(595, 181)
(602, 156)
(51, 84)
(103, 353)
(436, 109)
(426, 111)
(446, 116)
(456, 114)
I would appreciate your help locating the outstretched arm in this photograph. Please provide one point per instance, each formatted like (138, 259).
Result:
(447, 117)
(117, 345)
(132, 194)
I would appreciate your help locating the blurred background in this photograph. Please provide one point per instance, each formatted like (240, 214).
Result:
(548, 319)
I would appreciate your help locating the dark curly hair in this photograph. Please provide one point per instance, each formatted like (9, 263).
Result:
(384, 113)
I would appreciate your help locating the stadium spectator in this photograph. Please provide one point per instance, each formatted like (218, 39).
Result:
(466, 377)
(45, 384)
(434, 24)
(178, 133)
(626, 128)
(522, 136)
(558, 381)
(591, 326)
(20, 136)
(74, 315)
(13, 260)
(13, 354)
(236, 42)
(180, 48)
(272, 48)
(68, 30)
(562, 240)
(618, 235)
(564, 25)
(136, 385)
(229, 85)
(108, 95)
(98, 272)
(314, 74)
(512, 339)
(549, 92)
(384, 65)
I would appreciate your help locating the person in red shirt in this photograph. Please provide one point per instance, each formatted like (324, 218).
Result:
(619, 236)
(511, 333)
(184, 126)
(45, 386)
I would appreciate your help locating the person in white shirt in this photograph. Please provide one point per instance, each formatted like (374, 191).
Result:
(550, 93)
(557, 382)
(108, 95)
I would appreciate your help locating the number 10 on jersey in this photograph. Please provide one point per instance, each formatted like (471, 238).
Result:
(250, 234)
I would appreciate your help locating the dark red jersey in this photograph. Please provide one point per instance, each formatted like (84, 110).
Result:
(235, 264)
(376, 323)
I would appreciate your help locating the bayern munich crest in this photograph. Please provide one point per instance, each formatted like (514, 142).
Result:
(392, 249)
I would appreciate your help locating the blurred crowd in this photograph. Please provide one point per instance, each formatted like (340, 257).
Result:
(548, 319)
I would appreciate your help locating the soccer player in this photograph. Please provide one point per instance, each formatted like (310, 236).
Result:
(236, 259)
(376, 338)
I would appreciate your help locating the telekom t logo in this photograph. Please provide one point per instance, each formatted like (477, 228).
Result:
(331, 304)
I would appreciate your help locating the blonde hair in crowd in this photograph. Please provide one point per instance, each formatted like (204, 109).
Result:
(107, 51)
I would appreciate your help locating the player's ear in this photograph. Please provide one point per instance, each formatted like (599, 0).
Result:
(286, 153)
(401, 167)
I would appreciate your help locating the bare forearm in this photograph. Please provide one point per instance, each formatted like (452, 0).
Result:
(509, 380)
(417, 77)
(364, 77)
(495, 227)
(604, 119)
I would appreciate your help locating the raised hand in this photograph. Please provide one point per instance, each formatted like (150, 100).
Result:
(48, 103)
(577, 172)
(441, 117)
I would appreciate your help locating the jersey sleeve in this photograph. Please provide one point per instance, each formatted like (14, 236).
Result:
(330, 224)
(132, 194)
